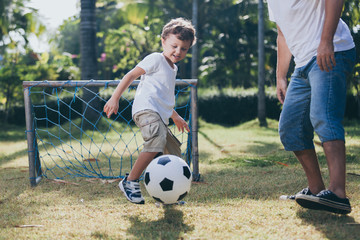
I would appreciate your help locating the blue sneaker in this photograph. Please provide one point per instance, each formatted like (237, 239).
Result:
(131, 190)
(325, 200)
(305, 191)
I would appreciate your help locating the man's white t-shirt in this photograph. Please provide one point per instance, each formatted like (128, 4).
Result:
(301, 22)
(156, 90)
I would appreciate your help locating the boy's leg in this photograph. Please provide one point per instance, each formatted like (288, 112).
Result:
(130, 184)
(153, 132)
(141, 163)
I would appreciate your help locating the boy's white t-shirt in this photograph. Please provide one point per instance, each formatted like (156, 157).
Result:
(156, 90)
(301, 22)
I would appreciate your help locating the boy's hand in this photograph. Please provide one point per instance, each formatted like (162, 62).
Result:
(180, 123)
(112, 106)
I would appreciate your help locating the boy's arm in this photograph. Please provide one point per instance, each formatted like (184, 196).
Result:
(112, 106)
(325, 52)
(179, 122)
(283, 61)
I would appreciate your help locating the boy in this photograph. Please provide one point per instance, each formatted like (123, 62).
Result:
(154, 100)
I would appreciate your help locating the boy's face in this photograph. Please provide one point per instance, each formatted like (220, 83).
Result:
(174, 49)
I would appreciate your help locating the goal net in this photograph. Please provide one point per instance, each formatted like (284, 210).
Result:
(69, 135)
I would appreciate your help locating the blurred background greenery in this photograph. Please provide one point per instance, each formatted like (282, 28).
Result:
(128, 30)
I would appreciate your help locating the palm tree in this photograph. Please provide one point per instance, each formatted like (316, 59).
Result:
(194, 58)
(88, 61)
(261, 67)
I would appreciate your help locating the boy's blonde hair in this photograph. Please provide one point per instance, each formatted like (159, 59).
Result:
(182, 28)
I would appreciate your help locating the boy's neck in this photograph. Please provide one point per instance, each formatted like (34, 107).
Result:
(168, 61)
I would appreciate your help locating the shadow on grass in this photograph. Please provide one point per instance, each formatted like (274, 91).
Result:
(333, 226)
(6, 158)
(170, 226)
(12, 133)
(13, 183)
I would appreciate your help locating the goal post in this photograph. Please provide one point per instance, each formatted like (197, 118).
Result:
(60, 147)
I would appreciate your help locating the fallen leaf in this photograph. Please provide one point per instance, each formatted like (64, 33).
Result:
(224, 151)
(28, 226)
(284, 164)
(355, 174)
(114, 180)
(92, 180)
(91, 160)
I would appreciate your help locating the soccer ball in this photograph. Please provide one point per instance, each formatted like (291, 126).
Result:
(168, 179)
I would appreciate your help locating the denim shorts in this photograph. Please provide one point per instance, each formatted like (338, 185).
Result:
(315, 101)
(157, 136)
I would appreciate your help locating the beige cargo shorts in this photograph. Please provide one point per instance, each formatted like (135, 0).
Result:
(157, 136)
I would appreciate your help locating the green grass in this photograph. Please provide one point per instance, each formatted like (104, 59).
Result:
(244, 170)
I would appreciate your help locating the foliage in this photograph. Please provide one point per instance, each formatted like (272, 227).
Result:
(126, 45)
(17, 23)
(127, 30)
(17, 67)
(351, 15)
(235, 26)
(68, 37)
(227, 33)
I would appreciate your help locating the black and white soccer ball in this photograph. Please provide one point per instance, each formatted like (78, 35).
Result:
(168, 179)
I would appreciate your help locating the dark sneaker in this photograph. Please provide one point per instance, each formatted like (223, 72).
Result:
(305, 191)
(131, 190)
(325, 200)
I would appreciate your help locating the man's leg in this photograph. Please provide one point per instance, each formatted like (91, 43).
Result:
(296, 131)
(327, 112)
(336, 160)
(334, 199)
(309, 162)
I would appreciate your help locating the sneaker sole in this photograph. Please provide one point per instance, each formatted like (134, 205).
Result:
(316, 203)
(123, 191)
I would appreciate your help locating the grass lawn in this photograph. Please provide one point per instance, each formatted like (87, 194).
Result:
(244, 170)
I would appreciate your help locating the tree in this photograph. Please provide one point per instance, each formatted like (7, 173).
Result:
(136, 36)
(194, 50)
(351, 15)
(88, 61)
(17, 23)
(261, 67)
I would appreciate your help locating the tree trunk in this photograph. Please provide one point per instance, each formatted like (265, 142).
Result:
(261, 68)
(194, 58)
(88, 62)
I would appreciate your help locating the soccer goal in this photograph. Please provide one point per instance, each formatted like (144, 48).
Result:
(69, 136)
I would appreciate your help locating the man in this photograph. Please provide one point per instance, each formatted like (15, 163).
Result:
(324, 54)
